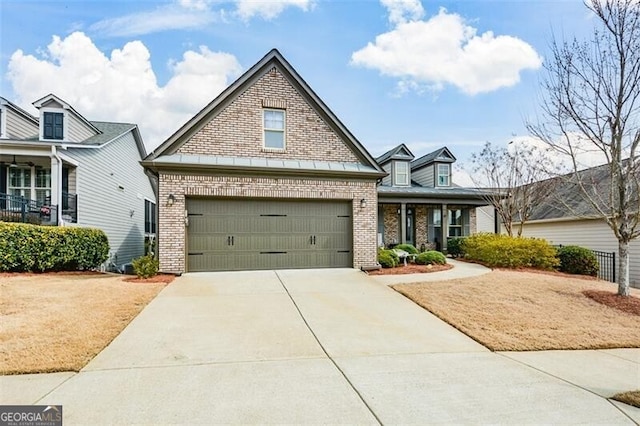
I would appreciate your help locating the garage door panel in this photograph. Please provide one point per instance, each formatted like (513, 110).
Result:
(268, 234)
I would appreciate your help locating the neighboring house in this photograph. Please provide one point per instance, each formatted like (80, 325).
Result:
(61, 169)
(419, 204)
(265, 177)
(568, 219)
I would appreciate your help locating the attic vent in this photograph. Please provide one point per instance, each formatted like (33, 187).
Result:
(274, 103)
(273, 71)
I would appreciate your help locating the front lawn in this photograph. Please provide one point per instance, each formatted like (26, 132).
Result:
(524, 311)
(59, 322)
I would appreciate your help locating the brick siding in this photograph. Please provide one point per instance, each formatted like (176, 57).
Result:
(237, 130)
(172, 229)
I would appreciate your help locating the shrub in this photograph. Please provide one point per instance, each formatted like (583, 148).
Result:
(578, 260)
(34, 248)
(386, 259)
(431, 257)
(454, 247)
(408, 248)
(500, 250)
(146, 266)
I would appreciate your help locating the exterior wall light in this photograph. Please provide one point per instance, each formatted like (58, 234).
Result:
(171, 199)
(363, 203)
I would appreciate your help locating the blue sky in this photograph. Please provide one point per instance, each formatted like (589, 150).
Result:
(428, 74)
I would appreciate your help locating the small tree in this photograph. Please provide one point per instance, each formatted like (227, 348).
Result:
(592, 104)
(509, 174)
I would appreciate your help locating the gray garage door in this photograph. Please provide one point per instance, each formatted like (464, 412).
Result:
(227, 235)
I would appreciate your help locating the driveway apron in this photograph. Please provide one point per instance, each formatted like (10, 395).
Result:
(308, 347)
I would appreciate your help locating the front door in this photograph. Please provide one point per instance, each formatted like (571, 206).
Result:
(411, 225)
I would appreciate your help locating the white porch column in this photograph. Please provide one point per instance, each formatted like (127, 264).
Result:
(56, 183)
(445, 227)
(403, 223)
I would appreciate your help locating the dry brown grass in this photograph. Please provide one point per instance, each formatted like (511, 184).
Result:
(59, 322)
(521, 311)
(631, 398)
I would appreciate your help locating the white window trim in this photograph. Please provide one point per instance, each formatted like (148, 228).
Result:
(284, 130)
(32, 188)
(65, 123)
(438, 174)
(3, 122)
(396, 181)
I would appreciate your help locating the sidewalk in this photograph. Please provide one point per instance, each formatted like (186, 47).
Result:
(460, 270)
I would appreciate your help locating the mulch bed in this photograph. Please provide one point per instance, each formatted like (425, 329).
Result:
(160, 278)
(630, 305)
(411, 268)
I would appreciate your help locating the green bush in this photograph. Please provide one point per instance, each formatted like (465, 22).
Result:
(386, 258)
(578, 260)
(407, 247)
(146, 266)
(34, 248)
(430, 258)
(454, 247)
(503, 251)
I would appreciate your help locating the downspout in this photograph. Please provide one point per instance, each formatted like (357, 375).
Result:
(58, 184)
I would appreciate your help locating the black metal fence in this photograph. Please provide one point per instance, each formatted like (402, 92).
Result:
(15, 208)
(607, 262)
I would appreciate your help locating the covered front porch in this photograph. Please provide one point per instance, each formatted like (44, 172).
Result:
(424, 221)
(37, 186)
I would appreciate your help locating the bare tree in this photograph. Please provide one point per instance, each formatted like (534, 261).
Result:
(510, 174)
(591, 102)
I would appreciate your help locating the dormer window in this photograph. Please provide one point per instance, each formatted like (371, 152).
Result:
(53, 127)
(401, 173)
(444, 175)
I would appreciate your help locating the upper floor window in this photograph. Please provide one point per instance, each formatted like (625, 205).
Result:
(273, 124)
(401, 173)
(53, 127)
(444, 174)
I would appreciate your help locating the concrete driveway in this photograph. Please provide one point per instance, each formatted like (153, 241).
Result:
(314, 346)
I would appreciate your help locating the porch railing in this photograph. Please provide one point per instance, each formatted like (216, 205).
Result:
(69, 207)
(15, 208)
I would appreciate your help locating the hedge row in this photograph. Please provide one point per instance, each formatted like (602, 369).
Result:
(34, 248)
(500, 250)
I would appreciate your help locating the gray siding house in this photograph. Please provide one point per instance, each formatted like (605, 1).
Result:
(419, 204)
(61, 169)
(567, 218)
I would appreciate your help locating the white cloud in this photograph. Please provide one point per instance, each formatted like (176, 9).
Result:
(268, 9)
(193, 14)
(444, 50)
(187, 14)
(123, 86)
(401, 11)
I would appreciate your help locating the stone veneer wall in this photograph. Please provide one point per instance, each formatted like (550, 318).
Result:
(473, 221)
(421, 226)
(391, 223)
(171, 221)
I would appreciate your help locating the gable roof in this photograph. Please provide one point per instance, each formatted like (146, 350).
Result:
(18, 110)
(400, 152)
(270, 60)
(51, 97)
(442, 155)
(566, 199)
